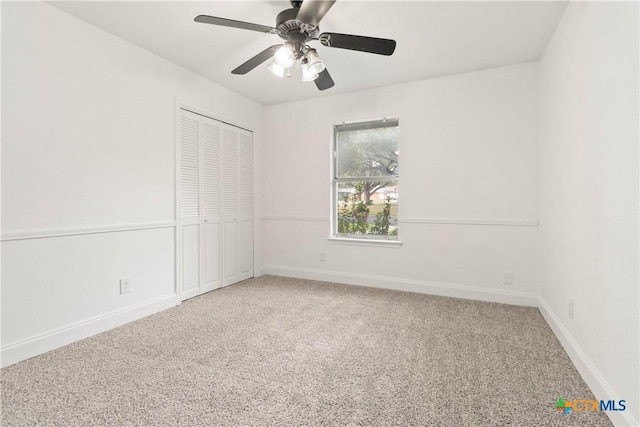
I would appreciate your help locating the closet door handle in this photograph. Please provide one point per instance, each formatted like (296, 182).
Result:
(206, 220)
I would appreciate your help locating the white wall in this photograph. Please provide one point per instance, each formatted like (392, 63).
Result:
(467, 154)
(88, 145)
(589, 195)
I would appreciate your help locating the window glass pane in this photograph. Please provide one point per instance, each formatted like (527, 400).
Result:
(367, 152)
(367, 209)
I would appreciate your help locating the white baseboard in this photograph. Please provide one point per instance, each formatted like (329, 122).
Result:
(26, 349)
(432, 288)
(594, 379)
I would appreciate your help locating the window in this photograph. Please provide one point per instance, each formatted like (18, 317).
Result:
(365, 180)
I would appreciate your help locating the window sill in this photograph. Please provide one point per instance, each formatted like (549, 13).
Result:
(365, 242)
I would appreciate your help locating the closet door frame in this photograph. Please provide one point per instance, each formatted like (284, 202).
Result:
(178, 273)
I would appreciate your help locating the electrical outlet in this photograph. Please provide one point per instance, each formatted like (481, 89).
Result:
(323, 256)
(508, 278)
(125, 285)
(570, 308)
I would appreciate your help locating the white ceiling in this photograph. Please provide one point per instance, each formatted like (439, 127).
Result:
(434, 38)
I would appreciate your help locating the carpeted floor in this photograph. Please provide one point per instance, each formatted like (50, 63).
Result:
(286, 352)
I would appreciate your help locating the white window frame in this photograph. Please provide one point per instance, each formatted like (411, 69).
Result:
(361, 240)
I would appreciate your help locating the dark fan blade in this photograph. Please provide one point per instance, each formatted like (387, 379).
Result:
(312, 11)
(361, 43)
(206, 19)
(324, 80)
(256, 60)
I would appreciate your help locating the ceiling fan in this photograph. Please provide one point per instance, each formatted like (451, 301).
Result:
(297, 26)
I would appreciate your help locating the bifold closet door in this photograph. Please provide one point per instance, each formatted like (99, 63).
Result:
(245, 205)
(230, 205)
(215, 204)
(189, 244)
(199, 245)
(237, 205)
(211, 225)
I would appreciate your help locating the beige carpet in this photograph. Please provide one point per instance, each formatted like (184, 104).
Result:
(285, 352)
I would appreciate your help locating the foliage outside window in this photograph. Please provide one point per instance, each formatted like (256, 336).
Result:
(365, 183)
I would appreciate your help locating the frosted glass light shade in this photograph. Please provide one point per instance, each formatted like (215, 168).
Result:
(277, 69)
(314, 62)
(308, 74)
(284, 56)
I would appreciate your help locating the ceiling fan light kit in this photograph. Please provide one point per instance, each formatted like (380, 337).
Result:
(284, 56)
(308, 75)
(314, 63)
(297, 26)
(278, 70)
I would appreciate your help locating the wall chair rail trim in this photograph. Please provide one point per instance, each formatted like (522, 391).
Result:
(64, 232)
(453, 221)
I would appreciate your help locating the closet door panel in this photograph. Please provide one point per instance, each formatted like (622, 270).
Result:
(230, 253)
(190, 260)
(245, 250)
(212, 254)
(245, 205)
(245, 176)
(211, 203)
(189, 209)
(230, 204)
(211, 168)
(189, 166)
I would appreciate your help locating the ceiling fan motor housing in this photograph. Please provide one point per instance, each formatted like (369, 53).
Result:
(291, 29)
